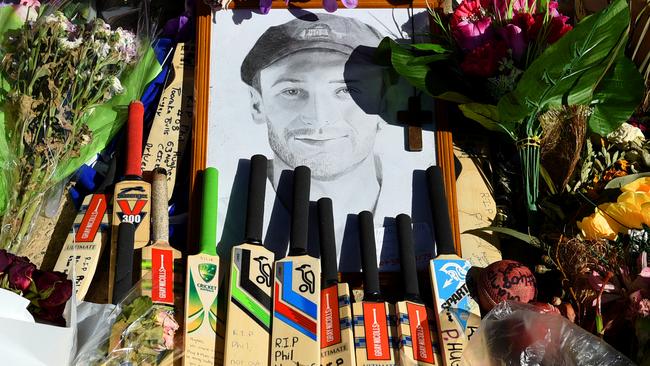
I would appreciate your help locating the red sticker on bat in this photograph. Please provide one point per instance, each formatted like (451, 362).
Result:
(162, 276)
(92, 219)
(376, 328)
(330, 323)
(420, 333)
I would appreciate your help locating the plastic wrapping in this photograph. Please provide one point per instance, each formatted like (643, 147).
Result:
(518, 334)
(136, 332)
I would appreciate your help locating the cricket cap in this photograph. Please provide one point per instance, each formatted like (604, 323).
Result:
(308, 32)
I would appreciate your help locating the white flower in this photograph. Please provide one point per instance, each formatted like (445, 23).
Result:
(102, 29)
(626, 134)
(125, 45)
(116, 86)
(102, 49)
(59, 22)
(67, 44)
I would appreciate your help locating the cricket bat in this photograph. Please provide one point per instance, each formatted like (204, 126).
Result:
(418, 342)
(248, 324)
(336, 338)
(457, 314)
(159, 256)
(87, 238)
(203, 283)
(374, 319)
(132, 195)
(295, 339)
(124, 265)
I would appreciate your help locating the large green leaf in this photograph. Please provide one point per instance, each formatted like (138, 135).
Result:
(106, 120)
(617, 96)
(569, 70)
(9, 20)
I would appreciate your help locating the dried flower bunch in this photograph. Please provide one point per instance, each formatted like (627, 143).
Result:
(60, 77)
(47, 291)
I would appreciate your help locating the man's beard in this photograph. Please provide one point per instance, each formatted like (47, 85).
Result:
(324, 165)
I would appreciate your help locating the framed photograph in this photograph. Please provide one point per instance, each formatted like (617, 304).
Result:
(300, 87)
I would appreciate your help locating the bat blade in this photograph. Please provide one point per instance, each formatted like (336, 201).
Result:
(337, 339)
(417, 336)
(202, 285)
(248, 325)
(296, 299)
(85, 242)
(375, 334)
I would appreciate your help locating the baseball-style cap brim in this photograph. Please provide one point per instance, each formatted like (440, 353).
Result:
(327, 32)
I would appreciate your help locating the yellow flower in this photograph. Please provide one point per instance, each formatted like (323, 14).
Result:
(645, 210)
(639, 185)
(599, 225)
(626, 214)
(634, 198)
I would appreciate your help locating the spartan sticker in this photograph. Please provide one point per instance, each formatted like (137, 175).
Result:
(308, 279)
(265, 269)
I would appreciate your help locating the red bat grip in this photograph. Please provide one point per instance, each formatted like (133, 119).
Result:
(134, 139)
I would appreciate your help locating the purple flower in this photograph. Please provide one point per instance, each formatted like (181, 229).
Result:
(350, 4)
(6, 259)
(265, 6)
(330, 5)
(20, 274)
(179, 28)
(515, 40)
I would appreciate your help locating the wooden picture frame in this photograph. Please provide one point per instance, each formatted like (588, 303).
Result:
(443, 136)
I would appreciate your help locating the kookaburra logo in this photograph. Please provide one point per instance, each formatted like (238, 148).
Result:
(456, 273)
(265, 270)
(308, 278)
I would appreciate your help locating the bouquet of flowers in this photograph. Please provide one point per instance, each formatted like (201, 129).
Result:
(518, 67)
(47, 291)
(65, 83)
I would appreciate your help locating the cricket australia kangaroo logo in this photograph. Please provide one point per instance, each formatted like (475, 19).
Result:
(265, 269)
(308, 279)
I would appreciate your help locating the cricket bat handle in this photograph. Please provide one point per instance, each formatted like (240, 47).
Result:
(159, 214)
(134, 139)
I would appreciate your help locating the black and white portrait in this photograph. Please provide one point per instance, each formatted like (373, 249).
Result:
(301, 88)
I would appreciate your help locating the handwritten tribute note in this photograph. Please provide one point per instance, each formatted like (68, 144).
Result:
(172, 122)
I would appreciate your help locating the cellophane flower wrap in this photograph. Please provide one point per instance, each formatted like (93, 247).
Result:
(137, 332)
(65, 82)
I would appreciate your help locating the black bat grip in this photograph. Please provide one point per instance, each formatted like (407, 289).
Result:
(407, 257)
(440, 212)
(124, 263)
(371, 289)
(255, 205)
(300, 211)
(327, 242)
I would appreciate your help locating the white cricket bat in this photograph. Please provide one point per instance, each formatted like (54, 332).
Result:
(418, 341)
(248, 324)
(159, 256)
(202, 283)
(457, 314)
(295, 337)
(336, 337)
(375, 336)
(132, 195)
(87, 238)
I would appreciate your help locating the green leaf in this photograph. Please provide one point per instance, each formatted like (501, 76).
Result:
(424, 60)
(9, 20)
(106, 120)
(487, 115)
(569, 70)
(510, 232)
(438, 48)
(617, 96)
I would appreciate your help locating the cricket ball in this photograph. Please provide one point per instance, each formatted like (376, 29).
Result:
(505, 280)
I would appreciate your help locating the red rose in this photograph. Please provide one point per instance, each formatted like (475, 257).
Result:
(53, 315)
(483, 61)
(6, 259)
(20, 273)
(54, 287)
(525, 22)
(557, 28)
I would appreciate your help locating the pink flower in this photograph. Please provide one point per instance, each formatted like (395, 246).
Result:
(470, 25)
(170, 327)
(502, 7)
(27, 9)
(515, 39)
